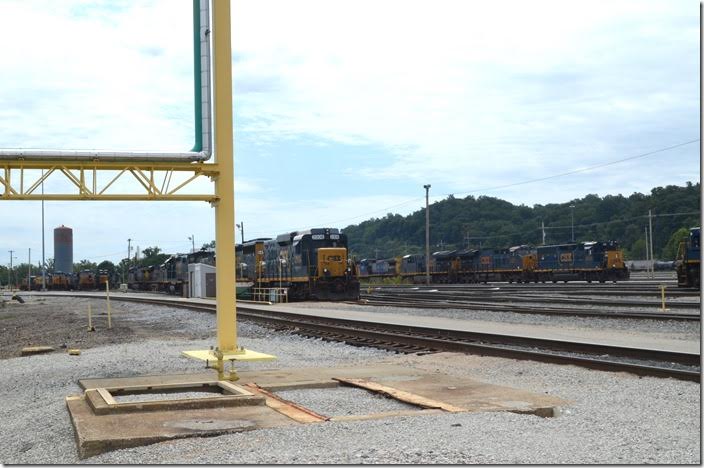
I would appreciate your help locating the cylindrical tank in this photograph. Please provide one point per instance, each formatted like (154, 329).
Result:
(63, 249)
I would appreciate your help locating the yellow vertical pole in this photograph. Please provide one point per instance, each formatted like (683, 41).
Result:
(107, 297)
(90, 321)
(226, 315)
(662, 291)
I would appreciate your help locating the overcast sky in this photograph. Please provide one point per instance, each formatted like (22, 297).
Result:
(343, 110)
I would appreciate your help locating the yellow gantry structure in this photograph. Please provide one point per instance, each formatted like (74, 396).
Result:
(18, 181)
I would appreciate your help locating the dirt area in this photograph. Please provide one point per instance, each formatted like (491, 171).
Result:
(63, 323)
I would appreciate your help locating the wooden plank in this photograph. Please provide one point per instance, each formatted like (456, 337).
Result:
(30, 350)
(167, 386)
(233, 389)
(106, 396)
(401, 395)
(288, 408)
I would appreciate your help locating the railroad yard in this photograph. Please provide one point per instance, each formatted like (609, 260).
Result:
(542, 306)
(628, 392)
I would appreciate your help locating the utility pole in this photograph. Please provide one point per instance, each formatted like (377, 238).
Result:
(572, 206)
(542, 222)
(43, 262)
(124, 269)
(29, 269)
(9, 275)
(646, 250)
(241, 226)
(192, 238)
(427, 236)
(652, 257)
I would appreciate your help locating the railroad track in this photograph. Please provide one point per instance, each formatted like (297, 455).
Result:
(582, 290)
(407, 339)
(429, 300)
(531, 310)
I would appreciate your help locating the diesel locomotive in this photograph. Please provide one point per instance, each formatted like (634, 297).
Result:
(584, 261)
(311, 264)
(688, 260)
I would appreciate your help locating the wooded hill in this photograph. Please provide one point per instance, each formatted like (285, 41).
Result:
(492, 222)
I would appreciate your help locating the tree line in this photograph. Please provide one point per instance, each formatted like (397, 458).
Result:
(489, 222)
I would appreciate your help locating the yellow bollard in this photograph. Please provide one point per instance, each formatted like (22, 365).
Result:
(662, 290)
(107, 296)
(90, 320)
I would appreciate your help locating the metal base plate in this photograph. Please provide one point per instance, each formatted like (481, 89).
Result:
(242, 355)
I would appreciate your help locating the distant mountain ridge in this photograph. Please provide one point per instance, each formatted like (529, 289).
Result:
(462, 222)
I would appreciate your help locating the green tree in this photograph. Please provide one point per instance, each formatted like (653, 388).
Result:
(84, 265)
(107, 265)
(496, 223)
(670, 250)
(152, 256)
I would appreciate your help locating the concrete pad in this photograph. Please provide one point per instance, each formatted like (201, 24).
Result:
(96, 434)
(99, 429)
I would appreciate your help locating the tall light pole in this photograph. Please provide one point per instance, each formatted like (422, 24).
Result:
(127, 264)
(650, 237)
(241, 226)
(572, 206)
(9, 275)
(192, 238)
(427, 236)
(43, 262)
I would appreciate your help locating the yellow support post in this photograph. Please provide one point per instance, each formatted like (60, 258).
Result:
(226, 313)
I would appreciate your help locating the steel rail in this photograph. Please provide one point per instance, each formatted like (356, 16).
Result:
(468, 299)
(405, 338)
(540, 310)
(507, 288)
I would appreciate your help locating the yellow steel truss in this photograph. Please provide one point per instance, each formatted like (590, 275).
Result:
(153, 180)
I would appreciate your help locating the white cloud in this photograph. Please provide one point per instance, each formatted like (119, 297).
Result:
(467, 91)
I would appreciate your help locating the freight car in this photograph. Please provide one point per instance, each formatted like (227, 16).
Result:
(310, 264)
(688, 260)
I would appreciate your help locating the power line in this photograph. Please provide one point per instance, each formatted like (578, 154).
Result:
(562, 174)
(576, 171)
(623, 220)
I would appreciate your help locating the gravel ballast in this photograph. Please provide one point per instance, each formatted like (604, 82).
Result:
(669, 329)
(614, 418)
(344, 401)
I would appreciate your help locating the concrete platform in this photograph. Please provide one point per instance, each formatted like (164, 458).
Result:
(105, 430)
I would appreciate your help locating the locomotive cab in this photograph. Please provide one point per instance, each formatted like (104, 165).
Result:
(332, 261)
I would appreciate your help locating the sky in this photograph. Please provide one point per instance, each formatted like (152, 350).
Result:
(344, 110)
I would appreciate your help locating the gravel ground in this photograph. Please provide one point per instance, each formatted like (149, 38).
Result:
(615, 418)
(344, 401)
(666, 329)
(141, 397)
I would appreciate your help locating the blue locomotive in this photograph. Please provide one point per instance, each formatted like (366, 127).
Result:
(312, 264)
(584, 261)
(688, 260)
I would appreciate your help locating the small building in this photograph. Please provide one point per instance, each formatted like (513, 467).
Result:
(201, 280)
